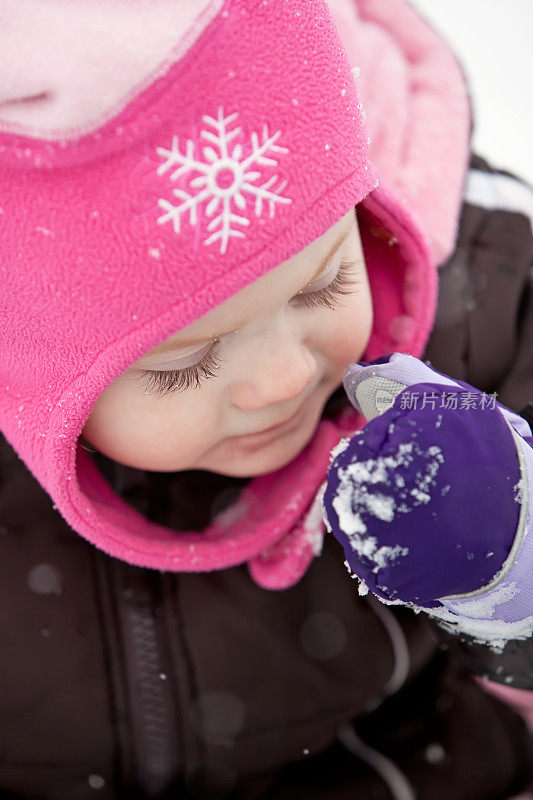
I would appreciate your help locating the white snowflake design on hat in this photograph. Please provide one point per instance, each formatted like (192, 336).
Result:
(225, 178)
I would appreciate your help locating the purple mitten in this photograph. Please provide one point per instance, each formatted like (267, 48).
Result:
(431, 500)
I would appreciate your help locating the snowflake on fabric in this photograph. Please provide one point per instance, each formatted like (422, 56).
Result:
(225, 177)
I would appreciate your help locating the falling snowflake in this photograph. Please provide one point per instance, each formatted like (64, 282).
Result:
(224, 178)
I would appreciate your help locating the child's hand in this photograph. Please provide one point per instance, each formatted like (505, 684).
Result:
(431, 498)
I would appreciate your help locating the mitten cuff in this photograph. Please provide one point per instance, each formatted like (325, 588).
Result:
(503, 609)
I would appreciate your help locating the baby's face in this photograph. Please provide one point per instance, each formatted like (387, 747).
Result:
(269, 356)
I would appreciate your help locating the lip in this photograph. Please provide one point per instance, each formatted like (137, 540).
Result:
(266, 433)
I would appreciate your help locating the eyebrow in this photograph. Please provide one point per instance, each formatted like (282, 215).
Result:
(174, 345)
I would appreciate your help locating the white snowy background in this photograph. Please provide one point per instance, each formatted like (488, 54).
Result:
(494, 42)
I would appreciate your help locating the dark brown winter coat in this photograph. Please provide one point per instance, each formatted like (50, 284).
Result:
(122, 682)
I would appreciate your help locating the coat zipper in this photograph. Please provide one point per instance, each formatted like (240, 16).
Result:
(142, 677)
(149, 678)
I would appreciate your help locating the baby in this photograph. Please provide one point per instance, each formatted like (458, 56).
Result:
(198, 250)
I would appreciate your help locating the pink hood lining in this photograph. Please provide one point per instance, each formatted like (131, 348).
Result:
(417, 110)
(119, 126)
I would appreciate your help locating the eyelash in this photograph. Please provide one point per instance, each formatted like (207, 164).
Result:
(162, 383)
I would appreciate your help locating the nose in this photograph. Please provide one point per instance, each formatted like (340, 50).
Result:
(278, 370)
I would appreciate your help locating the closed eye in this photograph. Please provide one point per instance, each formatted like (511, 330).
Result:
(330, 295)
(161, 383)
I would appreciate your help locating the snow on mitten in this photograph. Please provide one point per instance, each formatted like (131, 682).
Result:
(432, 500)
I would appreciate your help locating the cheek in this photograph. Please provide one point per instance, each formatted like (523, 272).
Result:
(147, 432)
(349, 336)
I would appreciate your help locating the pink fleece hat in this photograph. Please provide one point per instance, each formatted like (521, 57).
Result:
(242, 149)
